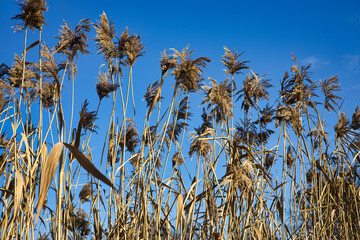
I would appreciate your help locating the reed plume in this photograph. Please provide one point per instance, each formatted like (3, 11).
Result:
(32, 14)
(188, 72)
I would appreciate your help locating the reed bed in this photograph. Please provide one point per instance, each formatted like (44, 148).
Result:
(272, 168)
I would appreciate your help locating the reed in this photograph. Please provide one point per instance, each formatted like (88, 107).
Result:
(262, 168)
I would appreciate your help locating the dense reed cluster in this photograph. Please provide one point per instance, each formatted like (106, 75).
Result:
(272, 168)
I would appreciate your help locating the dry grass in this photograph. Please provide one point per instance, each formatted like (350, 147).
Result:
(264, 170)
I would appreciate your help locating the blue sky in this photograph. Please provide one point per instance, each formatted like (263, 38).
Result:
(323, 33)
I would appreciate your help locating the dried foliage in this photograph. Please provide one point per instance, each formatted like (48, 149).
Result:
(200, 145)
(232, 63)
(167, 62)
(188, 72)
(151, 94)
(290, 159)
(104, 39)
(104, 87)
(355, 120)
(219, 99)
(254, 89)
(71, 42)
(87, 119)
(291, 178)
(329, 87)
(341, 127)
(131, 138)
(32, 14)
(86, 192)
(20, 77)
(133, 47)
(240, 176)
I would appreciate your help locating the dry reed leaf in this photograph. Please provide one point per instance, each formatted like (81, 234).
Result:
(47, 175)
(159, 183)
(278, 186)
(30, 47)
(179, 211)
(27, 148)
(18, 195)
(333, 214)
(44, 152)
(190, 207)
(258, 233)
(61, 118)
(85, 163)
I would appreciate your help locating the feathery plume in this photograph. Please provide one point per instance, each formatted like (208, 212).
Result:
(341, 127)
(329, 87)
(188, 72)
(104, 87)
(167, 62)
(130, 46)
(240, 175)
(289, 157)
(219, 97)
(355, 122)
(232, 63)
(86, 192)
(105, 33)
(200, 145)
(87, 118)
(71, 42)
(132, 137)
(32, 14)
(151, 93)
(254, 89)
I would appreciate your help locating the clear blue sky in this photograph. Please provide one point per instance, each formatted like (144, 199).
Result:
(324, 33)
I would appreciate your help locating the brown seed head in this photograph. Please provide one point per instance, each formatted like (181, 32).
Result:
(355, 122)
(104, 87)
(232, 62)
(218, 97)
(188, 72)
(289, 157)
(341, 127)
(167, 63)
(86, 192)
(105, 33)
(32, 14)
(71, 42)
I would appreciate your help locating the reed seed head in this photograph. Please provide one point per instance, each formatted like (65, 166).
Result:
(167, 62)
(355, 121)
(105, 33)
(329, 87)
(104, 87)
(86, 192)
(32, 14)
(254, 89)
(200, 146)
(188, 72)
(87, 118)
(290, 159)
(232, 62)
(218, 97)
(177, 159)
(269, 161)
(71, 42)
(341, 127)
(240, 175)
